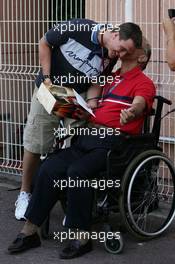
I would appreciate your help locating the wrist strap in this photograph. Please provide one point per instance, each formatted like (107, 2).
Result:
(93, 98)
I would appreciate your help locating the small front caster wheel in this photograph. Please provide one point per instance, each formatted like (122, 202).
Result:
(114, 245)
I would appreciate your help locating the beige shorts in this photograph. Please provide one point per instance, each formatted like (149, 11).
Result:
(39, 130)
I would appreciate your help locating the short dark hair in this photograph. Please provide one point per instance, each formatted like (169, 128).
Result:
(132, 31)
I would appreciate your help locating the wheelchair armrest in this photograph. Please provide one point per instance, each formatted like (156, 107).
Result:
(127, 140)
(163, 100)
(128, 147)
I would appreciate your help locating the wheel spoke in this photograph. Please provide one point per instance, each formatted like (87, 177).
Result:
(149, 183)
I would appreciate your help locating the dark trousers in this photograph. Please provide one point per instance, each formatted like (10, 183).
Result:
(83, 160)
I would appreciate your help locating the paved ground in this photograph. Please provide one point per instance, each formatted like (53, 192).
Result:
(157, 251)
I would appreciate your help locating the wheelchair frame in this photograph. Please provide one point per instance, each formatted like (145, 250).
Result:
(140, 158)
(126, 162)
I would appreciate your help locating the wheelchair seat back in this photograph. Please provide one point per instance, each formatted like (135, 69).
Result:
(132, 145)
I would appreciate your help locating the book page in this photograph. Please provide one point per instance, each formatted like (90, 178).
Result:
(46, 98)
(83, 103)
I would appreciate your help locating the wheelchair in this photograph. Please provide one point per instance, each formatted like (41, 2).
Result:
(145, 199)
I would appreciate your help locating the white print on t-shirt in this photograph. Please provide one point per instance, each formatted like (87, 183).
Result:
(115, 101)
(76, 54)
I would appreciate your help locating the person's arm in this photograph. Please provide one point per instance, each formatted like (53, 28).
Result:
(53, 38)
(136, 110)
(45, 59)
(93, 92)
(169, 28)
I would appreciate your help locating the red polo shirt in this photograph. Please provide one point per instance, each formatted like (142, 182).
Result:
(119, 95)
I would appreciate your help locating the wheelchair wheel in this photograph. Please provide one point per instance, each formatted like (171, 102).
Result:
(147, 203)
(114, 245)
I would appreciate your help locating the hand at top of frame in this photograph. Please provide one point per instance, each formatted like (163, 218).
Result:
(169, 28)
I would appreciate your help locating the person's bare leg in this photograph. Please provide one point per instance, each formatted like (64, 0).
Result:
(29, 228)
(30, 163)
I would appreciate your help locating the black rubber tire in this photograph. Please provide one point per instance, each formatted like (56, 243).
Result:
(114, 245)
(129, 176)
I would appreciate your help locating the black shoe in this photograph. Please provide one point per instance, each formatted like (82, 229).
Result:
(75, 249)
(23, 242)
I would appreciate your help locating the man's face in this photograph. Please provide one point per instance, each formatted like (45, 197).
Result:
(134, 56)
(119, 48)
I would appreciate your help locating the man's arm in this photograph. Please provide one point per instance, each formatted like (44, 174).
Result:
(136, 110)
(53, 38)
(45, 59)
(169, 28)
(93, 92)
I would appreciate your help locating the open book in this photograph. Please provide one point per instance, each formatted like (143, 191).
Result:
(65, 101)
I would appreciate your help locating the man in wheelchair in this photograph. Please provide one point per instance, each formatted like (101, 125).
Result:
(122, 108)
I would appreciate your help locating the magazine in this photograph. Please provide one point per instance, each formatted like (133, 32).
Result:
(62, 100)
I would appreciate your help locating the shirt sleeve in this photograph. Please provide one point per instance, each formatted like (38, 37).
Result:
(58, 35)
(147, 90)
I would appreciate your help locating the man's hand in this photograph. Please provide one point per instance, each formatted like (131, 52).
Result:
(169, 28)
(127, 115)
(135, 111)
(47, 82)
(92, 103)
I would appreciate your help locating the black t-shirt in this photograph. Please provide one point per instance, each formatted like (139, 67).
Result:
(74, 54)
